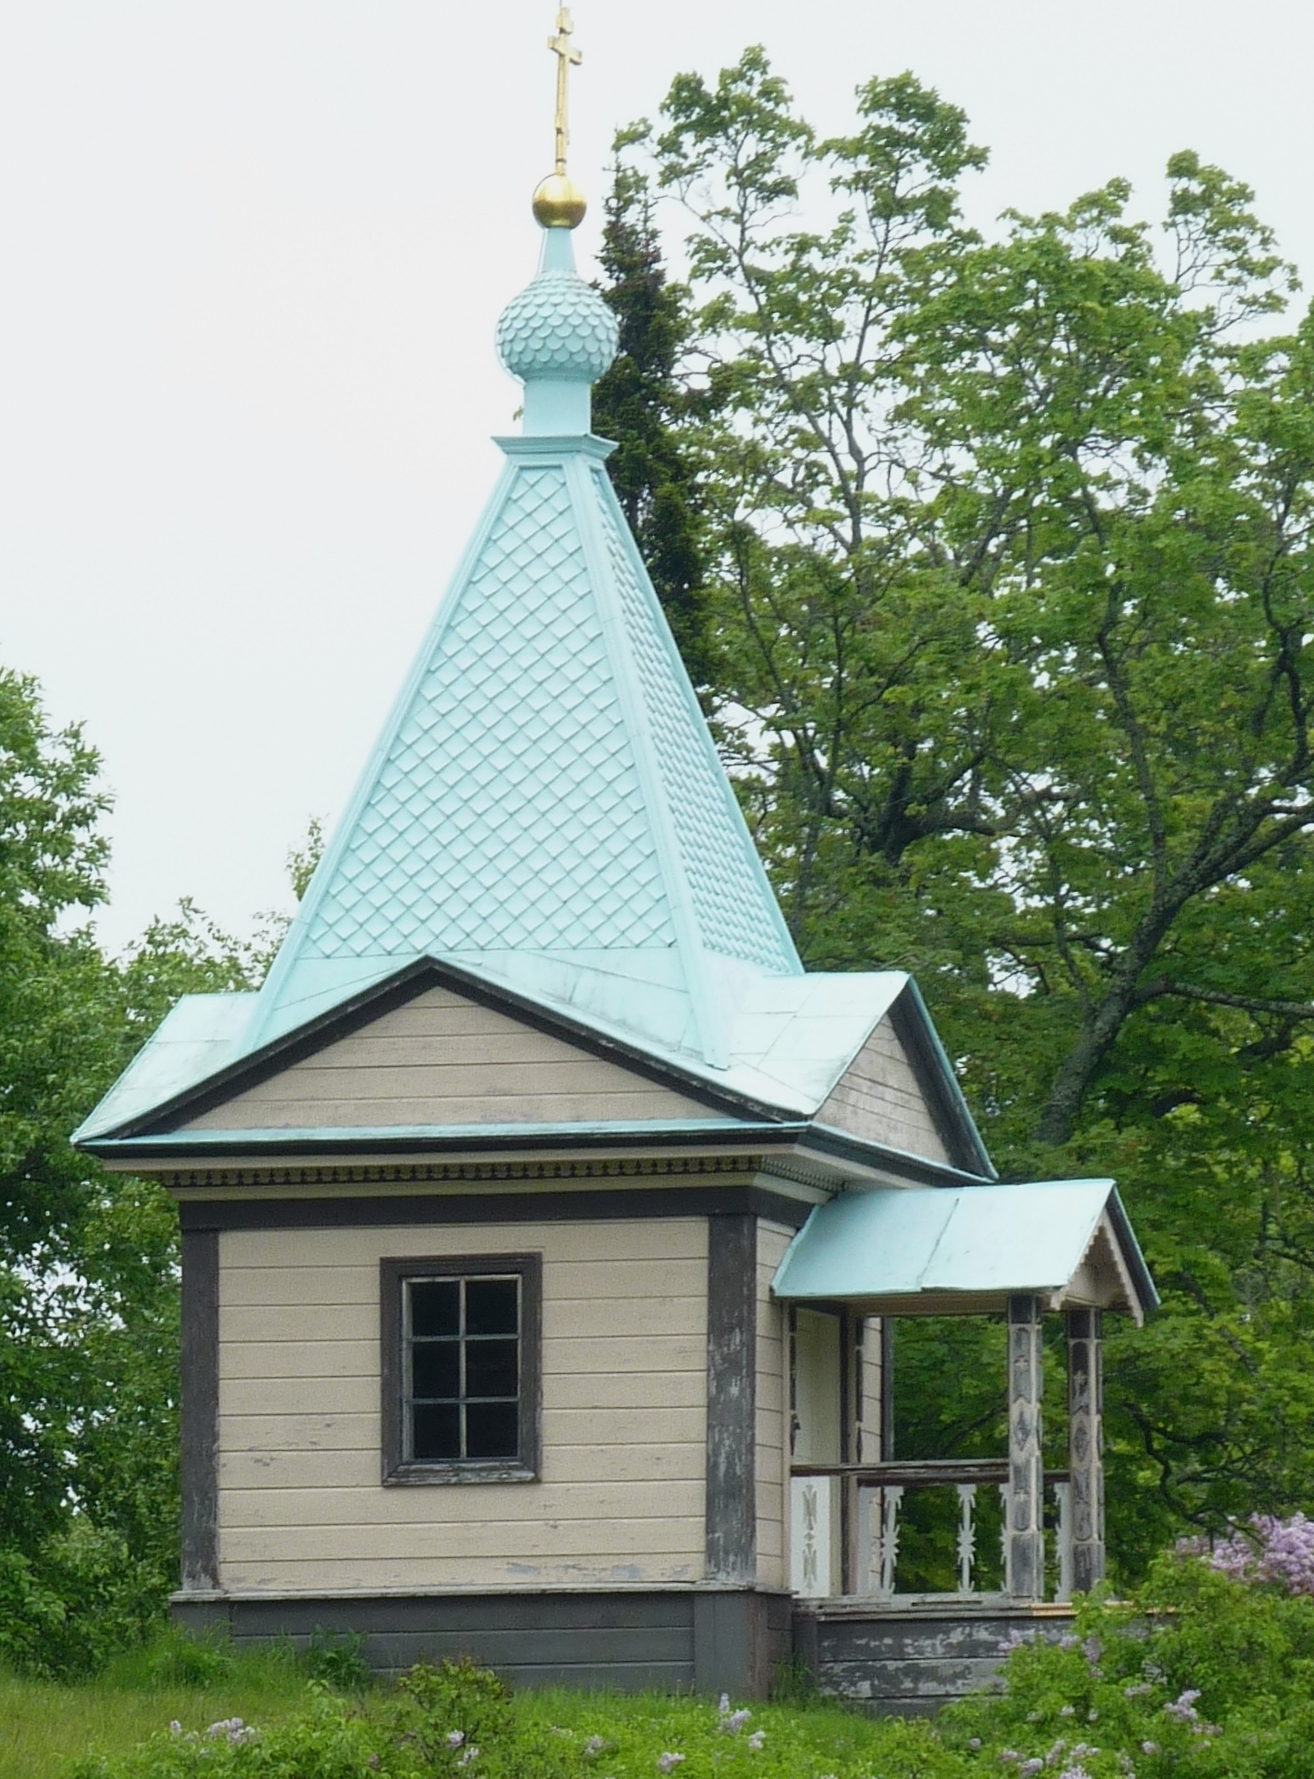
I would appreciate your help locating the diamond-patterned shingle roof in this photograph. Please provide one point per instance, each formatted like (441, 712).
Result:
(546, 795)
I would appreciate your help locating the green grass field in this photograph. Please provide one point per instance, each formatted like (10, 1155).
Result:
(43, 1726)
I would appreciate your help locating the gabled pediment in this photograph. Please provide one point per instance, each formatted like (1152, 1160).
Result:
(444, 1060)
(899, 1092)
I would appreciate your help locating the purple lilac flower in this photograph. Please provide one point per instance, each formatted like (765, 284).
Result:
(1092, 1649)
(1055, 1754)
(467, 1755)
(593, 1746)
(667, 1763)
(756, 1740)
(733, 1721)
(1149, 1748)
(1266, 1549)
(1030, 1768)
(1183, 1708)
(1137, 1692)
(455, 1738)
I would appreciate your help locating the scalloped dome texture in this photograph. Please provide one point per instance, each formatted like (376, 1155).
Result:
(558, 326)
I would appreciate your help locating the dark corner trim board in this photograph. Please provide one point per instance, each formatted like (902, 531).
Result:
(475, 1207)
(731, 1531)
(199, 1477)
(528, 1463)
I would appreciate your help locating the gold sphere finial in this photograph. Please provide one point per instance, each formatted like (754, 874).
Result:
(558, 202)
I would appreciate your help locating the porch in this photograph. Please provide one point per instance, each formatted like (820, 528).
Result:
(870, 1625)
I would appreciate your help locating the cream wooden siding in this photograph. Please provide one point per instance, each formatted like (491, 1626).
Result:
(445, 1060)
(878, 1098)
(301, 1507)
(772, 1443)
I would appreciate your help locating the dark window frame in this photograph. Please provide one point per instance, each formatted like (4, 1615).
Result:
(393, 1277)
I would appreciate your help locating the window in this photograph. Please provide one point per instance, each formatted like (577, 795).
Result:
(461, 1368)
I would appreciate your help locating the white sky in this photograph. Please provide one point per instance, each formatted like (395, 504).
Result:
(253, 254)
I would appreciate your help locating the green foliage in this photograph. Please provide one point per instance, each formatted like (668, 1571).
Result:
(88, 1264)
(337, 1660)
(640, 404)
(1199, 1674)
(457, 1722)
(1009, 551)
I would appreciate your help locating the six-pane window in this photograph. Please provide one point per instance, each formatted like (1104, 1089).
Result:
(462, 1369)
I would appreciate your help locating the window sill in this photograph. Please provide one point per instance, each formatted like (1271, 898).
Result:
(444, 1475)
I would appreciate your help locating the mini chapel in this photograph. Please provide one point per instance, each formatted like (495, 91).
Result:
(543, 1220)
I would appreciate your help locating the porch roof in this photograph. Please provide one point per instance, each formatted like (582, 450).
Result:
(935, 1251)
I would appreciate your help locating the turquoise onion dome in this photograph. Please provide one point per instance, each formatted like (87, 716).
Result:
(558, 336)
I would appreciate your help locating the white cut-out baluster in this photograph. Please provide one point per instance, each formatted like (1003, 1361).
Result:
(966, 1536)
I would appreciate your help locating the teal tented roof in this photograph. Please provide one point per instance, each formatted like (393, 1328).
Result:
(938, 1251)
(545, 817)
(545, 805)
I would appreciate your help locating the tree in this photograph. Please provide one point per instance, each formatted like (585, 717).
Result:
(1009, 557)
(641, 405)
(88, 1262)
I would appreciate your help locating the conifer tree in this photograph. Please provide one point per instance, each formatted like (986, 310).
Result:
(641, 405)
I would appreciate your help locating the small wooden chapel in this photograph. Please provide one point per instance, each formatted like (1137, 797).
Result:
(543, 1219)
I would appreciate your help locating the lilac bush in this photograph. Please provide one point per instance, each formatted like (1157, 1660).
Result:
(1267, 1549)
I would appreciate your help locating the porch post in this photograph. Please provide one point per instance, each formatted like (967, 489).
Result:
(1086, 1446)
(1024, 1550)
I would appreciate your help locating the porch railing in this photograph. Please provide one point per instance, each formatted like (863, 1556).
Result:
(845, 1527)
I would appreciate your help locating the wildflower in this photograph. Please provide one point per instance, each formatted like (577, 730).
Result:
(1030, 1768)
(594, 1746)
(756, 1740)
(724, 1706)
(1092, 1649)
(1077, 1772)
(1137, 1692)
(455, 1738)
(1055, 1753)
(667, 1763)
(175, 1728)
(733, 1721)
(1009, 1756)
(1068, 1641)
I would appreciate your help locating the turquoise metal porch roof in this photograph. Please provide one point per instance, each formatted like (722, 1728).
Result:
(928, 1250)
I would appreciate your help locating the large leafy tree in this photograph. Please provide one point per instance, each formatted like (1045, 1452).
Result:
(1010, 564)
(88, 1263)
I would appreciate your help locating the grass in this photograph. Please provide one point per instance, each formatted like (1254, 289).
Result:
(44, 1726)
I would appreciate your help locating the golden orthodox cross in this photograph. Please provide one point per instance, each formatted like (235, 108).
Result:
(567, 56)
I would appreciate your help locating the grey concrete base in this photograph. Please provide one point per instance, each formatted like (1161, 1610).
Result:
(911, 1660)
(708, 1641)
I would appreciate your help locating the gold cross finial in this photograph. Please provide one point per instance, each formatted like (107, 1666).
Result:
(567, 57)
(558, 202)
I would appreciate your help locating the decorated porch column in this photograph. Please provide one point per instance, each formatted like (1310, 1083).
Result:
(1086, 1446)
(1024, 1543)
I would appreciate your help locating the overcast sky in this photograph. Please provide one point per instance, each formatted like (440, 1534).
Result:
(253, 257)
